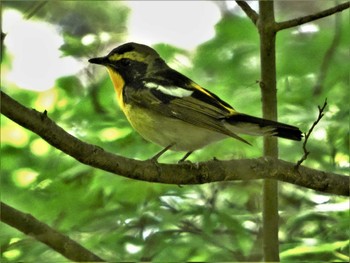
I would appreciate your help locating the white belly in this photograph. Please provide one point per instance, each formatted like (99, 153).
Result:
(165, 131)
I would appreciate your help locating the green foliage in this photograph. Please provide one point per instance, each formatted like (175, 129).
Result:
(125, 220)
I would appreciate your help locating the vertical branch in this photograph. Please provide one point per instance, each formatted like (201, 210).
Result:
(266, 25)
(328, 56)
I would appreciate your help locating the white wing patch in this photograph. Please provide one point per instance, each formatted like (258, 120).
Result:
(169, 90)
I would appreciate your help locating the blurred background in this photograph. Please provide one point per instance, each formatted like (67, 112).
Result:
(44, 66)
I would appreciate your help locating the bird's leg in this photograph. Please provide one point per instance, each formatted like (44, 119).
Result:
(155, 158)
(185, 157)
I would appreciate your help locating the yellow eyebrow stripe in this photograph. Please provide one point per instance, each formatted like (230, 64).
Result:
(129, 55)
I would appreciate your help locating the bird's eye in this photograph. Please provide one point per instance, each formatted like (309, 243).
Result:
(125, 62)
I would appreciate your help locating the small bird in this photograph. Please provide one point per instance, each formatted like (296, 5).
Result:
(169, 109)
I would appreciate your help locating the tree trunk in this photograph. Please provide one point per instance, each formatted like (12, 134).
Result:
(266, 25)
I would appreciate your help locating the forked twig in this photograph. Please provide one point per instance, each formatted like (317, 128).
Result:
(307, 135)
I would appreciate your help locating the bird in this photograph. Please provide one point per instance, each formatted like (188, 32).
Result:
(169, 109)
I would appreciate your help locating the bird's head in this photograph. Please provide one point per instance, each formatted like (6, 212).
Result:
(131, 60)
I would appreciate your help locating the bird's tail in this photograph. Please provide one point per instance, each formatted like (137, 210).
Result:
(246, 124)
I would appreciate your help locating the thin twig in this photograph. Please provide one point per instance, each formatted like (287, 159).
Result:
(331, 51)
(35, 9)
(307, 135)
(249, 11)
(305, 19)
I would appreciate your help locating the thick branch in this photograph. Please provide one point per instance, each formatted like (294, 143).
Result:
(305, 19)
(205, 172)
(29, 225)
(249, 11)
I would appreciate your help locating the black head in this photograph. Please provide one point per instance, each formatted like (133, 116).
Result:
(131, 60)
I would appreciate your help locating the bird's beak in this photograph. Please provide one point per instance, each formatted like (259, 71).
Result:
(100, 61)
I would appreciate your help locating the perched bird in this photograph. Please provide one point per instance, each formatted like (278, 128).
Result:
(169, 109)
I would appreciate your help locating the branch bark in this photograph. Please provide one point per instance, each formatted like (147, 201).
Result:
(186, 173)
(306, 19)
(29, 225)
(249, 11)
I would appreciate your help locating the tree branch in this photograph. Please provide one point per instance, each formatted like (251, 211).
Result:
(29, 225)
(199, 173)
(328, 56)
(249, 11)
(305, 19)
(34, 9)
